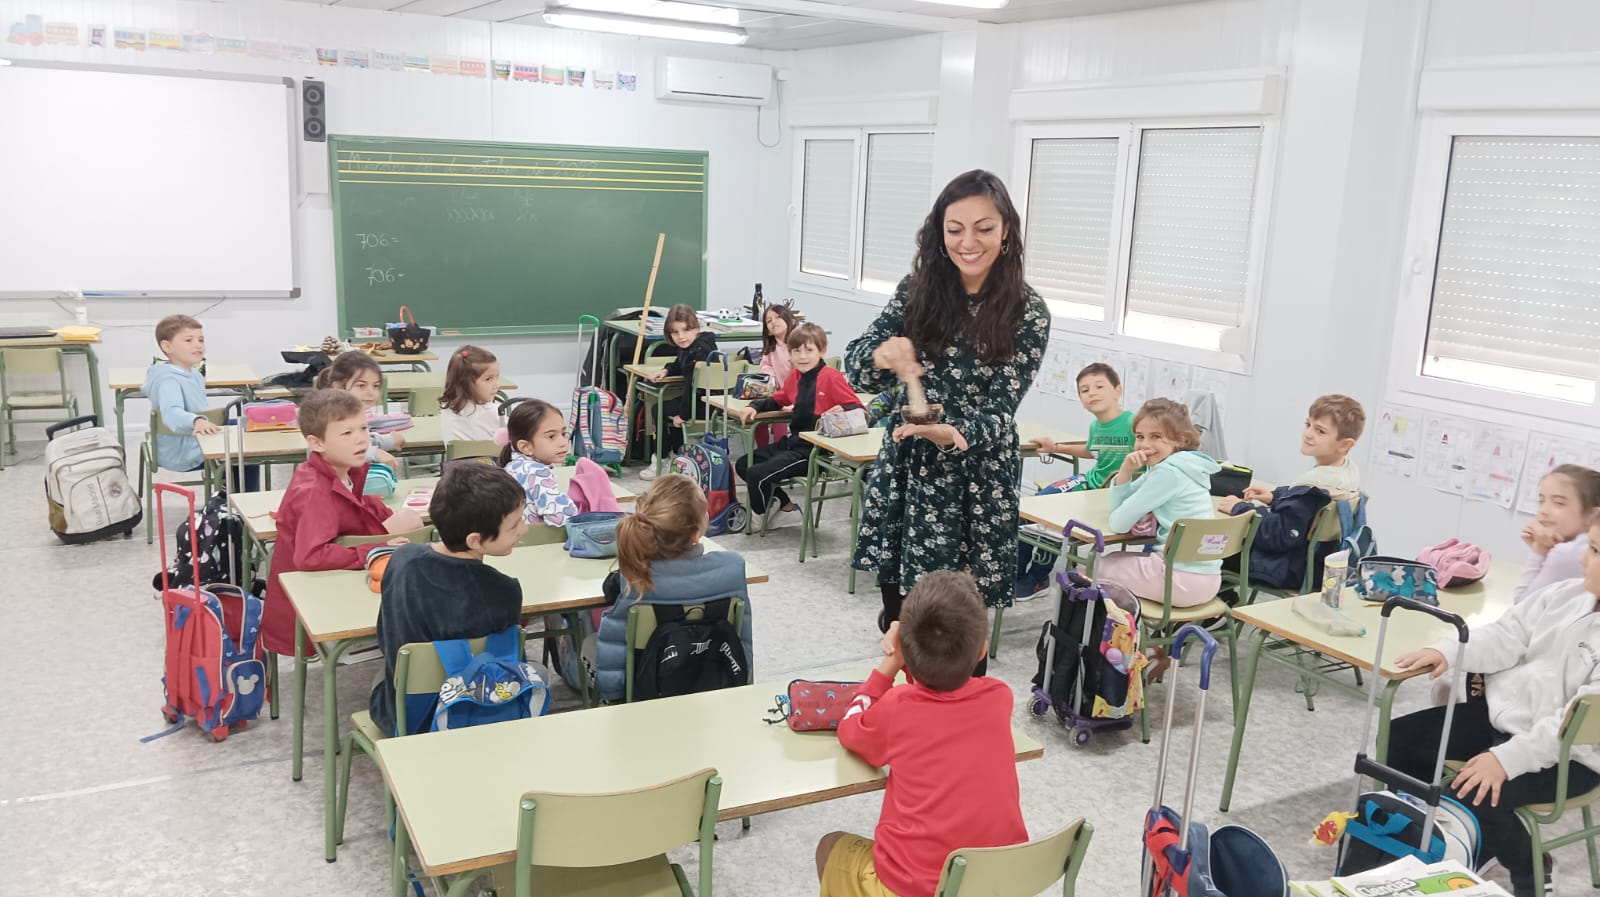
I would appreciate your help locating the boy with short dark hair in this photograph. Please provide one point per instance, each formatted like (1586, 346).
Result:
(324, 501)
(1110, 436)
(177, 392)
(812, 389)
(1333, 424)
(444, 590)
(946, 738)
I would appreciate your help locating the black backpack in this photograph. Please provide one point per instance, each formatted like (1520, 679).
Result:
(220, 541)
(684, 655)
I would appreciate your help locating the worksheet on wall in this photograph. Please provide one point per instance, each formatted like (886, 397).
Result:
(1135, 382)
(1544, 452)
(1396, 442)
(1168, 380)
(1446, 453)
(1052, 369)
(1496, 463)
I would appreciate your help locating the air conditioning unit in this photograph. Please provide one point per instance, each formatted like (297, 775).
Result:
(705, 81)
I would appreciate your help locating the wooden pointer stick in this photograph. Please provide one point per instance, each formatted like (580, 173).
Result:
(644, 320)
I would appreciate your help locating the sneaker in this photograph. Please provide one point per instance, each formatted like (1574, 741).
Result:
(777, 516)
(648, 472)
(1549, 876)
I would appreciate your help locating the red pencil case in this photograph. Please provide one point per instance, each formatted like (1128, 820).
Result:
(812, 706)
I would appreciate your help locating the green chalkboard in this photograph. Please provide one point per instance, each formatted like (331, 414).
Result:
(507, 238)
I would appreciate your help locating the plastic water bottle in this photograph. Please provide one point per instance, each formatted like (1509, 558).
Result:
(755, 304)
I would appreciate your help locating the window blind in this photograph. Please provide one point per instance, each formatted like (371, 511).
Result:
(1072, 194)
(1517, 277)
(1194, 196)
(826, 199)
(899, 193)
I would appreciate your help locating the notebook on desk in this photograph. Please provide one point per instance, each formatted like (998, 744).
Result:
(26, 333)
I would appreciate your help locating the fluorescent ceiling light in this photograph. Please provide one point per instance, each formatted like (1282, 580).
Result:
(972, 4)
(655, 9)
(645, 27)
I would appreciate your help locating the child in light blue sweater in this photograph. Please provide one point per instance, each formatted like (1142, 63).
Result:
(1176, 485)
(178, 393)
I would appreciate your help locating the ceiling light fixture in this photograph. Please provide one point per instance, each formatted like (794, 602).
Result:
(638, 26)
(971, 4)
(655, 9)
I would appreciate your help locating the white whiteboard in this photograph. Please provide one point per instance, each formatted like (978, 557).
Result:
(138, 182)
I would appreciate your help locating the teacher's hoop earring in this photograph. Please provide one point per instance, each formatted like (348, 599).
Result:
(1005, 246)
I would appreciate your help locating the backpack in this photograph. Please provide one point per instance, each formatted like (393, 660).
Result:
(599, 427)
(706, 462)
(1388, 825)
(215, 665)
(491, 687)
(1105, 658)
(1358, 539)
(86, 484)
(219, 545)
(685, 656)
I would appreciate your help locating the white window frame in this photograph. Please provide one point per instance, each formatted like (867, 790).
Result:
(840, 288)
(1236, 358)
(1435, 137)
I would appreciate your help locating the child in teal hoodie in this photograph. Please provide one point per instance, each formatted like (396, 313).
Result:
(1176, 485)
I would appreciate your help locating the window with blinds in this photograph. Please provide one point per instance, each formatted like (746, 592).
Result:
(1189, 258)
(1072, 219)
(827, 198)
(898, 196)
(1516, 288)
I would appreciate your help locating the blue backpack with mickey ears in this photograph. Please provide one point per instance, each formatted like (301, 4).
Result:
(489, 687)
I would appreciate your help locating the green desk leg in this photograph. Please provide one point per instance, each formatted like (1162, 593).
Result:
(994, 636)
(856, 478)
(806, 529)
(330, 655)
(1241, 710)
(397, 858)
(298, 756)
(120, 397)
(93, 361)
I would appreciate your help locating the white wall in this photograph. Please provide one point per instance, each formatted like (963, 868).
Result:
(412, 104)
(1345, 146)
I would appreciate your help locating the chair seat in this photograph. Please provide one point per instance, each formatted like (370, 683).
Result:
(362, 720)
(1150, 611)
(650, 877)
(38, 400)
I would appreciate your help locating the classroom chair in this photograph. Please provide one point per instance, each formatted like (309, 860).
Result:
(614, 843)
(417, 671)
(34, 363)
(150, 464)
(543, 534)
(710, 379)
(424, 402)
(1194, 539)
(1580, 727)
(420, 534)
(1020, 870)
(471, 448)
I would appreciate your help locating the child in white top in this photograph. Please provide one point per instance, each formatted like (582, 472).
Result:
(467, 409)
(358, 374)
(1333, 424)
(1558, 535)
(537, 442)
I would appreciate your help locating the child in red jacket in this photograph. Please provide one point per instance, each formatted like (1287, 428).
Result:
(324, 502)
(946, 738)
(811, 390)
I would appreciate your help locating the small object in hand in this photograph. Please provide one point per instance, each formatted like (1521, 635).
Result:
(930, 413)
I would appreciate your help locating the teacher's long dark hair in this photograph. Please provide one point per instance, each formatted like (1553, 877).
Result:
(936, 304)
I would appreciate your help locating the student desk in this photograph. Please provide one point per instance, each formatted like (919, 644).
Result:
(261, 528)
(1284, 637)
(646, 389)
(838, 457)
(289, 447)
(728, 408)
(221, 379)
(336, 610)
(67, 347)
(466, 820)
(405, 382)
(651, 340)
(414, 362)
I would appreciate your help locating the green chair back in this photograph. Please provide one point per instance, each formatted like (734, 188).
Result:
(424, 402)
(1213, 539)
(417, 671)
(593, 830)
(470, 448)
(542, 534)
(34, 363)
(421, 534)
(1020, 870)
(642, 625)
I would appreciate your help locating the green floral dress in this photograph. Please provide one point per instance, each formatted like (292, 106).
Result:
(931, 508)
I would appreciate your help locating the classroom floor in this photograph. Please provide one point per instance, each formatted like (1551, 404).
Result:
(85, 808)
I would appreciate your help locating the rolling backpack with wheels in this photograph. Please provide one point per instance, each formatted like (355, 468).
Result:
(215, 670)
(706, 462)
(86, 483)
(598, 426)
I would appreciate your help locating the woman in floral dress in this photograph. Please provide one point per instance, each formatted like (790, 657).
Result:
(944, 496)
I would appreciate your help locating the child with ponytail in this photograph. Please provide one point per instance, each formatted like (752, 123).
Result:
(536, 443)
(358, 374)
(468, 411)
(661, 560)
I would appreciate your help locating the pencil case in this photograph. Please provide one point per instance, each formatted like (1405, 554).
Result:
(273, 414)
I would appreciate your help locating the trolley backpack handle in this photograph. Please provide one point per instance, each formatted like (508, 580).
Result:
(1412, 604)
(1206, 656)
(234, 411)
(51, 431)
(1079, 526)
(161, 524)
(727, 391)
(594, 366)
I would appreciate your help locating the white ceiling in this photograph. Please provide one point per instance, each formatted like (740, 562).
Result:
(774, 24)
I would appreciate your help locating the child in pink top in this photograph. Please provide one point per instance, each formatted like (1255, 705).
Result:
(776, 322)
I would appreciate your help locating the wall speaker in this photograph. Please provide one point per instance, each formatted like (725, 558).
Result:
(314, 110)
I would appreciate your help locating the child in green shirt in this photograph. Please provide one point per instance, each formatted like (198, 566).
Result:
(1110, 436)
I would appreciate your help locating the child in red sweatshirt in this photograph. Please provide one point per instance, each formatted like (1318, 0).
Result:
(946, 738)
(324, 501)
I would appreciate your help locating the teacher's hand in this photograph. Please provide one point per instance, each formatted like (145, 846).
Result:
(938, 434)
(899, 355)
